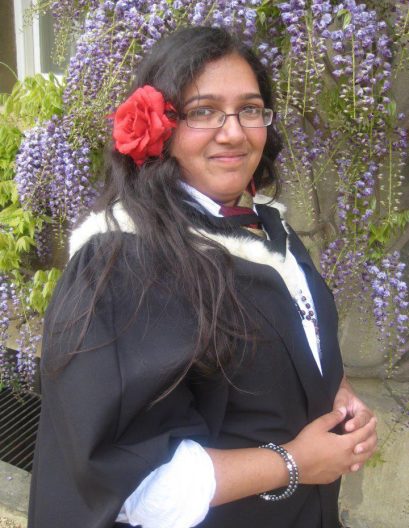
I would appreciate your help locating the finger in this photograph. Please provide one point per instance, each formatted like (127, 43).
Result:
(330, 420)
(362, 434)
(367, 447)
(360, 460)
(359, 420)
(341, 401)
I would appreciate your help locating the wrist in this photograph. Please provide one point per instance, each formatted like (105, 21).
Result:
(294, 448)
(292, 469)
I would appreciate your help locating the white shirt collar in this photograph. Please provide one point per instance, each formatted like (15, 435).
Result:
(207, 203)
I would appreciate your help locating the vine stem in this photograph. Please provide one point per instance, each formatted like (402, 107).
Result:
(307, 65)
(293, 158)
(334, 152)
(403, 49)
(287, 99)
(353, 77)
(306, 76)
(309, 56)
(390, 178)
(9, 69)
(310, 43)
(334, 267)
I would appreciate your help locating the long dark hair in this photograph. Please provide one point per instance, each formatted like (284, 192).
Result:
(197, 269)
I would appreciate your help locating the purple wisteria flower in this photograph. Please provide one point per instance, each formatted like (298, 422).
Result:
(8, 299)
(390, 305)
(53, 171)
(27, 343)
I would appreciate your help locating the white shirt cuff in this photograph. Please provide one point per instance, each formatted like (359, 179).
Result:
(176, 494)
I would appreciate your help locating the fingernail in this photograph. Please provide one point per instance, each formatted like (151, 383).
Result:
(355, 468)
(358, 450)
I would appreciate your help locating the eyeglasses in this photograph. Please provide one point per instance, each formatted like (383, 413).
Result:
(249, 117)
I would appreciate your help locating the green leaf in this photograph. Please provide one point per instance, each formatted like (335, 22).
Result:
(376, 460)
(342, 12)
(37, 301)
(8, 192)
(40, 277)
(18, 277)
(33, 101)
(391, 107)
(24, 243)
(8, 212)
(346, 20)
(4, 241)
(54, 274)
(9, 261)
(48, 290)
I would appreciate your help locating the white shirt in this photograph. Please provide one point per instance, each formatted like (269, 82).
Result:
(178, 494)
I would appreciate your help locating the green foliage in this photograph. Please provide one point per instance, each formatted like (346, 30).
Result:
(19, 221)
(10, 137)
(334, 107)
(345, 16)
(42, 287)
(376, 460)
(385, 230)
(32, 101)
(267, 10)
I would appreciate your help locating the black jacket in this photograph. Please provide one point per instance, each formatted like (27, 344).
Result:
(98, 436)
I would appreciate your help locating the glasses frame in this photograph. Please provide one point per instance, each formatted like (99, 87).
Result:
(185, 117)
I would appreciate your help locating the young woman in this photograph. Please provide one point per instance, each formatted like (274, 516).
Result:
(189, 330)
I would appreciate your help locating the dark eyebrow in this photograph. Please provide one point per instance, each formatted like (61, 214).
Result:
(217, 98)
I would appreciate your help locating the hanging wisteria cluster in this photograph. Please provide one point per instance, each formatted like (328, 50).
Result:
(346, 118)
(19, 369)
(53, 171)
(7, 370)
(331, 64)
(389, 293)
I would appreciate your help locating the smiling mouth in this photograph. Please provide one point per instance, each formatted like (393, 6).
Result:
(229, 158)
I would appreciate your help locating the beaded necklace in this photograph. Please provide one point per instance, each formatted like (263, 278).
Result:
(307, 312)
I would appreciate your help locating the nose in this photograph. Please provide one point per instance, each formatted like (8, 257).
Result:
(231, 131)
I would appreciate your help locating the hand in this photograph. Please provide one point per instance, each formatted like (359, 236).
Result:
(359, 415)
(323, 456)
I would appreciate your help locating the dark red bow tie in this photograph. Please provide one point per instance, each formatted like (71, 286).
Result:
(247, 216)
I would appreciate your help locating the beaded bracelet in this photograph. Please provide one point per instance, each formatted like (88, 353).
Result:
(292, 472)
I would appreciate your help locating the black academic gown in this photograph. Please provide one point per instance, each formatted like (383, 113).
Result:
(99, 437)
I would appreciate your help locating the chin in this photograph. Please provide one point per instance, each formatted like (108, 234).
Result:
(227, 199)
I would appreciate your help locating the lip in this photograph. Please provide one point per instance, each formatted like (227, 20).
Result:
(228, 157)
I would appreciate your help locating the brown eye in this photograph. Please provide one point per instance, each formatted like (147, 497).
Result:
(251, 112)
(201, 113)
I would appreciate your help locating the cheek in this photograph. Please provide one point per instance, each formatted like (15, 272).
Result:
(184, 144)
(258, 140)
(189, 147)
(262, 137)
(175, 144)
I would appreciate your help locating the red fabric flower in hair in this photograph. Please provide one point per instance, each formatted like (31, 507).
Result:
(141, 125)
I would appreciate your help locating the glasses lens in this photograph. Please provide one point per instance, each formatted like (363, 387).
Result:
(205, 118)
(252, 117)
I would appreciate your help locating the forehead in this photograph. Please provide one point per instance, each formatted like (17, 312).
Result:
(230, 77)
